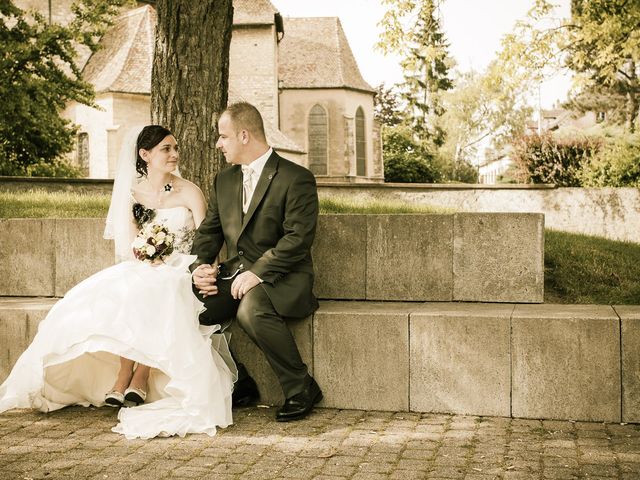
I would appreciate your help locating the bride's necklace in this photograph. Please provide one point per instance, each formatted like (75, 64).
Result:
(164, 191)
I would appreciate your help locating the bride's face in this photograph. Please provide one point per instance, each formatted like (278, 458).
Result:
(163, 157)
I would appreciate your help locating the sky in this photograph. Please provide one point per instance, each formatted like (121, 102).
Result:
(473, 28)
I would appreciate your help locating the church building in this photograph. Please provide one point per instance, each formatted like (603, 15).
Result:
(299, 72)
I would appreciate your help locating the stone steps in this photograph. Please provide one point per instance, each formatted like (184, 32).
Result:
(576, 362)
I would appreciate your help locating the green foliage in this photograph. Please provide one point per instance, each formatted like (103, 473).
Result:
(482, 106)
(425, 61)
(459, 172)
(545, 159)
(603, 43)
(600, 42)
(39, 76)
(616, 164)
(386, 106)
(612, 269)
(57, 167)
(405, 159)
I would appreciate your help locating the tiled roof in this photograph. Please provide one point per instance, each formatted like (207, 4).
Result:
(315, 53)
(248, 12)
(124, 62)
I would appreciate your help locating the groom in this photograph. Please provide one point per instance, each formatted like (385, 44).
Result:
(265, 209)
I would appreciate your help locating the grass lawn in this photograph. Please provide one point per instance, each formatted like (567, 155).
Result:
(41, 204)
(578, 268)
(584, 269)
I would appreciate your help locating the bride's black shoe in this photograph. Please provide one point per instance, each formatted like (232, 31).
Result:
(245, 392)
(135, 395)
(114, 398)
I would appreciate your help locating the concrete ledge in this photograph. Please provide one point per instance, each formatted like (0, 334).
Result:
(357, 257)
(98, 252)
(19, 320)
(630, 325)
(460, 358)
(27, 258)
(409, 257)
(339, 256)
(251, 356)
(566, 362)
(498, 257)
(530, 361)
(360, 354)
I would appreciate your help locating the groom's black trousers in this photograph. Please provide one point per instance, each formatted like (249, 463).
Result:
(264, 326)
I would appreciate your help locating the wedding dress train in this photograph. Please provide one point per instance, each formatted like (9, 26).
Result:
(142, 312)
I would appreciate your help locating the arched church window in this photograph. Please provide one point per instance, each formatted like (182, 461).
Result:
(82, 152)
(361, 145)
(318, 140)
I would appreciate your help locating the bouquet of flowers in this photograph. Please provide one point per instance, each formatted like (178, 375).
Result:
(153, 243)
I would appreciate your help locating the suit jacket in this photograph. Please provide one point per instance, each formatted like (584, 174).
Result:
(273, 239)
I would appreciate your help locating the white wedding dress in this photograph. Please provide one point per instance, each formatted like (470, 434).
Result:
(142, 312)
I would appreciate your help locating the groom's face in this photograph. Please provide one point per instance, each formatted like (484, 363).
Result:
(230, 142)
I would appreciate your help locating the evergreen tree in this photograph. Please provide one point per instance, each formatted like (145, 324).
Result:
(426, 61)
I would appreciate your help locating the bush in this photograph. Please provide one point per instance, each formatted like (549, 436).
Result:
(461, 172)
(41, 168)
(405, 159)
(617, 164)
(544, 159)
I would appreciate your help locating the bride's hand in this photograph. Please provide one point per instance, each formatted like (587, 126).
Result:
(204, 278)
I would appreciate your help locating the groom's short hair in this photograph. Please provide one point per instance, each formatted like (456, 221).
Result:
(246, 117)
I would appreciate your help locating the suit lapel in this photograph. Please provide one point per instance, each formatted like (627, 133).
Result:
(268, 172)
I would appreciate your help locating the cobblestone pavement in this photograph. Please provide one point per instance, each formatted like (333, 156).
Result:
(330, 444)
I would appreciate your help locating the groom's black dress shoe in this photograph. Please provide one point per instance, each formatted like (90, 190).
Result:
(245, 392)
(298, 406)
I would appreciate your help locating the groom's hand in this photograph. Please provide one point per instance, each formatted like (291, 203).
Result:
(204, 278)
(243, 283)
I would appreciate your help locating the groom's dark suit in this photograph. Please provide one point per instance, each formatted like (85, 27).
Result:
(273, 240)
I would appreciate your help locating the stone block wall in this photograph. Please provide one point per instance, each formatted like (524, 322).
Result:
(357, 257)
(565, 362)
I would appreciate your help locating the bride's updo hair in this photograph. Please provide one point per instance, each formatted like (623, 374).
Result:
(149, 137)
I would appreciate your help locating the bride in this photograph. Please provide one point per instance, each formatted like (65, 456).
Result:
(129, 335)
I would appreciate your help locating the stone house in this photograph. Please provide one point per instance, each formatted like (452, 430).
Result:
(300, 73)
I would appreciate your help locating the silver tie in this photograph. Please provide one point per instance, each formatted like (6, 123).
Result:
(247, 186)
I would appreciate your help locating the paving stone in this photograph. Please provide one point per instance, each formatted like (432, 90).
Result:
(234, 454)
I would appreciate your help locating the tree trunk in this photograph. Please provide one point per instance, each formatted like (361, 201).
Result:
(190, 80)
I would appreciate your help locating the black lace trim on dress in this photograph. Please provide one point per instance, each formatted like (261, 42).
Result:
(142, 214)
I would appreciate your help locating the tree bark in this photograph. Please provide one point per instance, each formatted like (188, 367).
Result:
(190, 80)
